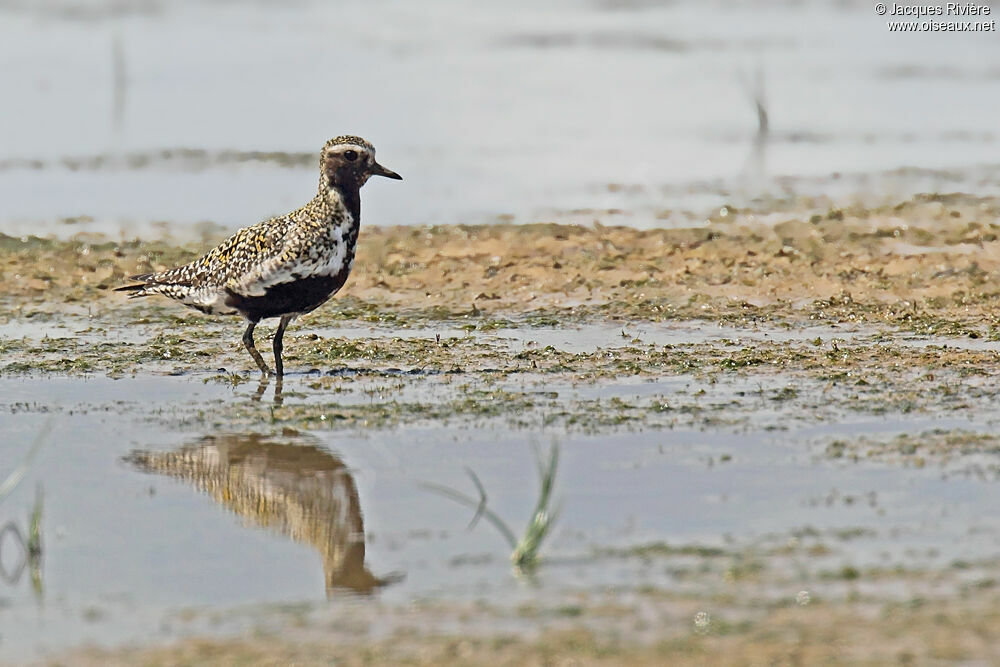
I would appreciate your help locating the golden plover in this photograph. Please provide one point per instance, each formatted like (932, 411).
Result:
(285, 266)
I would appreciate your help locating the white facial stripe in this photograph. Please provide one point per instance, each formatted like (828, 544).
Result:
(360, 150)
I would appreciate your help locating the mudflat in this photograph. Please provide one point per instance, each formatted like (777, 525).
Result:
(778, 438)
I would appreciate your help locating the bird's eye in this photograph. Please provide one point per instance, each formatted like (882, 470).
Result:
(350, 156)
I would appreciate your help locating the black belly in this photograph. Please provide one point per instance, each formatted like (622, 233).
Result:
(299, 296)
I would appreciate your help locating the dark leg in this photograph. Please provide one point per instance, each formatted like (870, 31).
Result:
(248, 344)
(279, 344)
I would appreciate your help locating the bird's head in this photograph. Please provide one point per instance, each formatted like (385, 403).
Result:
(348, 161)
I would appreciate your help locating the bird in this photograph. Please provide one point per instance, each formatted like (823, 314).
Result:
(285, 266)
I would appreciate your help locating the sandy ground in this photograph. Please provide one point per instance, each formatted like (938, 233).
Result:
(930, 632)
(924, 261)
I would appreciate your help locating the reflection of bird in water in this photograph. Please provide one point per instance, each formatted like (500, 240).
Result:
(299, 489)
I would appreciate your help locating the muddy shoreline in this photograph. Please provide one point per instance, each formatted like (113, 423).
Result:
(923, 265)
(803, 336)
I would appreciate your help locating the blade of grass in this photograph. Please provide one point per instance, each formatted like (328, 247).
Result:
(490, 515)
(35, 544)
(15, 477)
(35, 527)
(482, 498)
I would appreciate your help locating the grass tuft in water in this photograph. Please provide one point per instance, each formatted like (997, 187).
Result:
(524, 551)
(35, 543)
(525, 554)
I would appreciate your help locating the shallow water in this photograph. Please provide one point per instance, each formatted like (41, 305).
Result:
(629, 113)
(150, 521)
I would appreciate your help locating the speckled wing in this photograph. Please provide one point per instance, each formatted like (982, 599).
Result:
(243, 263)
(274, 261)
(308, 243)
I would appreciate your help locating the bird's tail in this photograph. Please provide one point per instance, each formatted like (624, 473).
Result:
(139, 288)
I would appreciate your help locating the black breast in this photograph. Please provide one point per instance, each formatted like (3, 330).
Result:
(305, 294)
(298, 296)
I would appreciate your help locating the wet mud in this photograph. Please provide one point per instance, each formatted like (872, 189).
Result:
(776, 440)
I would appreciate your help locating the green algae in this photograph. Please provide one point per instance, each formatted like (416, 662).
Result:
(490, 375)
(431, 282)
